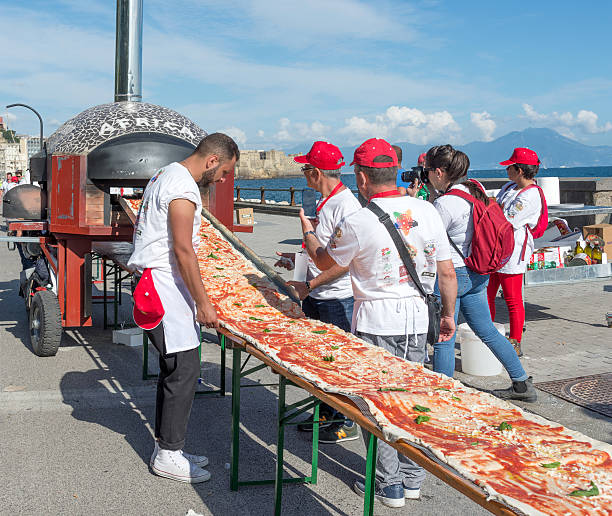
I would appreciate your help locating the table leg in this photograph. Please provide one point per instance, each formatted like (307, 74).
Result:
(223, 362)
(370, 479)
(315, 445)
(116, 289)
(235, 451)
(145, 356)
(280, 447)
(105, 295)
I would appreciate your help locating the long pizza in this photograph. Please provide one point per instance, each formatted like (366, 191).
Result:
(534, 465)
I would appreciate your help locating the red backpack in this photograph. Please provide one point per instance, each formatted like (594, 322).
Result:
(542, 224)
(493, 238)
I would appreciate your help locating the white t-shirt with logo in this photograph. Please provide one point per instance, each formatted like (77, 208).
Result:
(153, 250)
(520, 210)
(386, 300)
(152, 240)
(456, 215)
(333, 211)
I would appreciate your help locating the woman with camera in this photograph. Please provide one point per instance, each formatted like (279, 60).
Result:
(446, 170)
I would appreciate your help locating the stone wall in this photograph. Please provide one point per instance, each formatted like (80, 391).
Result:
(256, 164)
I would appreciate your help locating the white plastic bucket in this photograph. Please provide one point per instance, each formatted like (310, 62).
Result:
(476, 358)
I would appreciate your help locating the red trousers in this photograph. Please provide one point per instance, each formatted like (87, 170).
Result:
(512, 285)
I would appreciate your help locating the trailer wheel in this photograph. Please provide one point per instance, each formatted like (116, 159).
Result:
(45, 324)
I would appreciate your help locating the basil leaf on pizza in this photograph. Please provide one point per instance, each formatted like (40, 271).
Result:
(594, 491)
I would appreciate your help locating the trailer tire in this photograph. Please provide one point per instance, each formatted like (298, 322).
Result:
(45, 324)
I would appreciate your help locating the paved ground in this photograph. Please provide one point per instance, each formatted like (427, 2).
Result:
(76, 434)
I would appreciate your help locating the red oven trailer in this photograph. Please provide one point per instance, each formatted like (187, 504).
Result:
(83, 170)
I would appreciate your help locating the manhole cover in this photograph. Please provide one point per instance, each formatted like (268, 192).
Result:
(593, 392)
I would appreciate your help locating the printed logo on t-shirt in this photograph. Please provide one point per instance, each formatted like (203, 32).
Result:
(430, 249)
(156, 176)
(515, 208)
(385, 272)
(336, 234)
(404, 221)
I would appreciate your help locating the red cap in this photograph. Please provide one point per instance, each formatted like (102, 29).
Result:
(370, 149)
(323, 155)
(421, 160)
(523, 156)
(148, 309)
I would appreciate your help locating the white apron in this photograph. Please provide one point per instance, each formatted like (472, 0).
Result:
(181, 331)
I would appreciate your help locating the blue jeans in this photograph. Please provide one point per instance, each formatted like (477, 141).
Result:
(472, 301)
(333, 311)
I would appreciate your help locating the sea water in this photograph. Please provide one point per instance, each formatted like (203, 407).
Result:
(299, 182)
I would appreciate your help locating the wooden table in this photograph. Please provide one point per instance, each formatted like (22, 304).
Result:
(343, 405)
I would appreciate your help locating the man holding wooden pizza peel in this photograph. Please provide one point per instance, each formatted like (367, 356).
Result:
(170, 301)
(390, 310)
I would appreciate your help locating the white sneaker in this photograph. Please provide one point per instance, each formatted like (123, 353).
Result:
(174, 465)
(412, 494)
(198, 460)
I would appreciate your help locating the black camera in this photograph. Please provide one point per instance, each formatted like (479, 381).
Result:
(418, 172)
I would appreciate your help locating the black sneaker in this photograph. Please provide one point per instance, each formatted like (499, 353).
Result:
(306, 425)
(522, 391)
(339, 432)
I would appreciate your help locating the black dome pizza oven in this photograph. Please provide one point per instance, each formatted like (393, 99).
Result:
(125, 142)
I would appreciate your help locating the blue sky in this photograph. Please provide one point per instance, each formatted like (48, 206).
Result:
(283, 73)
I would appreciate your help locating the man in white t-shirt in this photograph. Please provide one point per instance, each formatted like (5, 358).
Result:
(389, 310)
(327, 296)
(8, 183)
(166, 238)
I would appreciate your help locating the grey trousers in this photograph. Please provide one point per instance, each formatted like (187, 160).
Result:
(393, 467)
(176, 385)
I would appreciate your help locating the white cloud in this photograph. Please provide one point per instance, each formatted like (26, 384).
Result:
(237, 134)
(295, 22)
(584, 120)
(300, 131)
(485, 123)
(401, 123)
(261, 133)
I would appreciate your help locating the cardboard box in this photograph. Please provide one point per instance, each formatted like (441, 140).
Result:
(545, 257)
(604, 231)
(244, 216)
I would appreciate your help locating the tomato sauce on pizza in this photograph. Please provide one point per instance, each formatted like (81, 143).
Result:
(534, 465)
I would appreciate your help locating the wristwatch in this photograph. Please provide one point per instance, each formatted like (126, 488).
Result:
(307, 283)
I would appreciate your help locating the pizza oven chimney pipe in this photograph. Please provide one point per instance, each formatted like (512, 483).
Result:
(128, 51)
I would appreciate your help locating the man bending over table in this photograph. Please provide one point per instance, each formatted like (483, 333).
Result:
(170, 301)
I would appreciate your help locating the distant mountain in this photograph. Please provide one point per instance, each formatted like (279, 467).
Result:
(553, 150)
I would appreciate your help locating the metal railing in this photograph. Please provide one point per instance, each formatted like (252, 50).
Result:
(262, 193)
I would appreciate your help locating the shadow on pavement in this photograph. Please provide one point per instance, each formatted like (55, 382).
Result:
(534, 312)
(131, 417)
